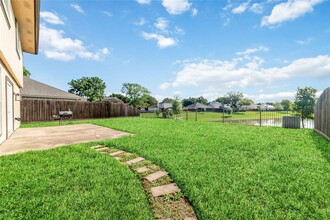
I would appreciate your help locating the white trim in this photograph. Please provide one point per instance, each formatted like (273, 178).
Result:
(7, 9)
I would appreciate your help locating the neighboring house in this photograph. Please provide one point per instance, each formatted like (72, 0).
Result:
(19, 32)
(196, 106)
(266, 107)
(248, 107)
(214, 106)
(36, 90)
(164, 105)
(112, 99)
(153, 108)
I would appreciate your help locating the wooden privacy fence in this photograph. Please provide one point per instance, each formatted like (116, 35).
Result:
(322, 114)
(43, 110)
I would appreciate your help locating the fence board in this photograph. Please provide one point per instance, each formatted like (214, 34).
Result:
(322, 114)
(43, 109)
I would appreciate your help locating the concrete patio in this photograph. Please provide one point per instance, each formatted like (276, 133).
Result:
(43, 138)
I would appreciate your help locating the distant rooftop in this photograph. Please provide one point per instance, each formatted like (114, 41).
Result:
(38, 90)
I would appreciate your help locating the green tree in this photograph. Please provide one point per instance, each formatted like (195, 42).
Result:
(92, 88)
(150, 100)
(223, 100)
(176, 106)
(189, 101)
(168, 100)
(278, 106)
(202, 100)
(120, 96)
(136, 93)
(234, 98)
(26, 72)
(304, 102)
(245, 101)
(287, 105)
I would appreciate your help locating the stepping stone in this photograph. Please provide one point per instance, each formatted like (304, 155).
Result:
(155, 176)
(142, 169)
(164, 190)
(117, 158)
(116, 153)
(102, 149)
(190, 218)
(135, 160)
(96, 147)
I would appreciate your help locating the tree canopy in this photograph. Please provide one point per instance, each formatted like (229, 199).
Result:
(305, 101)
(287, 105)
(26, 72)
(136, 93)
(120, 96)
(92, 88)
(192, 100)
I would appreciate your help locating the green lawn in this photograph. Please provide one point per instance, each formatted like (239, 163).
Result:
(218, 116)
(234, 171)
(69, 183)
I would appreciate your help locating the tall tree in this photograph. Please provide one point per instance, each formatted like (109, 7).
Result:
(189, 101)
(223, 100)
(92, 88)
(278, 106)
(245, 101)
(287, 105)
(304, 102)
(168, 100)
(176, 106)
(136, 93)
(234, 98)
(26, 72)
(150, 100)
(202, 100)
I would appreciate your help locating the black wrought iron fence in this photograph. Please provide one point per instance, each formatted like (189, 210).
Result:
(257, 118)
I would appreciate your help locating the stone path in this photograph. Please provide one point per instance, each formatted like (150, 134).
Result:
(165, 197)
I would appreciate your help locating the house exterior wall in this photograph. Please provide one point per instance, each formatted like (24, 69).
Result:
(11, 65)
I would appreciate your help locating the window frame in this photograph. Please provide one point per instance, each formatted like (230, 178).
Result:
(18, 40)
(6, 9)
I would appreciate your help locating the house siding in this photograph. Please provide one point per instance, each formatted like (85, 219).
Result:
(11, 67)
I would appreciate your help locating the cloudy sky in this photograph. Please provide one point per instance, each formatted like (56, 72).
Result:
(265, 49)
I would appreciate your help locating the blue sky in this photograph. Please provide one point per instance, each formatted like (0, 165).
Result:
(265, 49)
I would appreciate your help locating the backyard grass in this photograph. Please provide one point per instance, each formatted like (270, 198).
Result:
(218, 116)
(232, 171)
(69, 183)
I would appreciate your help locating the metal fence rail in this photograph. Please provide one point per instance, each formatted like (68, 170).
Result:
(256, 118)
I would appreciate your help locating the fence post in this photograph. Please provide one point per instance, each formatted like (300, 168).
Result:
(187, 115)
(223, 114)
(260, 117)
(196, 115)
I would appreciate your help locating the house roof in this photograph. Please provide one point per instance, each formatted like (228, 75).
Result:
(214, 104)
(27, 15)
(112, 99)
(196, 106)
(35, 89)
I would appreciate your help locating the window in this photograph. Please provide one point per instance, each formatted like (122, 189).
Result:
(18, 41)
(7, 8)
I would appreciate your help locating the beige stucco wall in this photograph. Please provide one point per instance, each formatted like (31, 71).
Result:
(15, 62)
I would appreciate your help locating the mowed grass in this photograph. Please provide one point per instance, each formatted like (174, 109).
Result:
(235, 171)
(218, 116)
(69, 183)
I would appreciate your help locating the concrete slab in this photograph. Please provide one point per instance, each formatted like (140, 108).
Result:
(142, 169)
(26, 139)
(164, 190)
(156, 175)
(135, 160)
(116, 153)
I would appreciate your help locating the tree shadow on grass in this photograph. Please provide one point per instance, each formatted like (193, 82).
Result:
(322, 144)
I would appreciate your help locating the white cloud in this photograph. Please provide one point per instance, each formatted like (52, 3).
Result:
(228, 6)
(247, 72)
(176, 6)
(179, 31)
(194, 12)
(165, 86)
(289, 10)
(162, 41)
(257, 8)
(54, 45)
(77, 8)
(143, 2)
(304, 42)
(107, 13)
(272, 97)
(253, 50)
(141, 22)
(241, 8)
(161, 24)
(51, 18)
